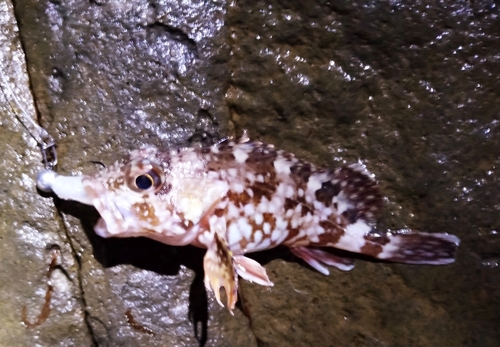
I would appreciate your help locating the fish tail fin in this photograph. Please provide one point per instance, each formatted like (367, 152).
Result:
(412, 247)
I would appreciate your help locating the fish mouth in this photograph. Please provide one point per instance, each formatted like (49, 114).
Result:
(116, 218)
(114, 226)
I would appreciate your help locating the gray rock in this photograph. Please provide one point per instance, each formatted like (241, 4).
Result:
(410, 90)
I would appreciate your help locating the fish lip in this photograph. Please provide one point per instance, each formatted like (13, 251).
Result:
(71, 188)
(114, 222)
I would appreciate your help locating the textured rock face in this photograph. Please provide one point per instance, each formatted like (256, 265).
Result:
(410, 90)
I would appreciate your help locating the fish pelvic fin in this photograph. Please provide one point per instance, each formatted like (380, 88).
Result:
(220, 271)
(251, 270)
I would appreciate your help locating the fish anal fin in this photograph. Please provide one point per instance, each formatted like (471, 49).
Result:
(220, 271)
(318, 258)
(251, 270)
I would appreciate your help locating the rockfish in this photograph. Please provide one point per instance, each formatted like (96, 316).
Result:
(238, 197)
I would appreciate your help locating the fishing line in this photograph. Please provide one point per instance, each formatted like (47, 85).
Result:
(38, 133)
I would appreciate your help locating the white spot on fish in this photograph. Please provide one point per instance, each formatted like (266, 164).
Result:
(233, 234)
(282, 166)
(276, 235)
(250, 177)
(237, 187)
(245, 228)
(257, 236)
(249, 210)
(313, 184)
(233, 211)
(232, 172)
(240, 155)
(267, 228)
(358, 229)
(258, 217)
(281, 223)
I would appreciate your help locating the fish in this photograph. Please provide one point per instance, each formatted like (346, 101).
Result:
(240, 196)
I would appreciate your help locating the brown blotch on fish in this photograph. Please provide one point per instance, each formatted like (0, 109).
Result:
(225, 156)
(332, 233)
(146, 211)
(326, 193)
(380, 239)
(263, 190)
(244, 243)
(261, 161)
(220, 212)
(269, 218)
(239, 199)
(351, 215)
(371, 249)
(188, 225)
(292, 232)
(301, 171)
(290, 204)
(165, 189)
(115, 184)
(306, 209)
(374, 244)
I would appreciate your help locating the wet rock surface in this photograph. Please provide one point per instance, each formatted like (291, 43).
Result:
(410, 90)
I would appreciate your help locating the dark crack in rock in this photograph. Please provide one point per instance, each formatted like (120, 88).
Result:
(29, 226)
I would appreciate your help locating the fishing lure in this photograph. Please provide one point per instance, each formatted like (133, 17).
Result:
(238, 197)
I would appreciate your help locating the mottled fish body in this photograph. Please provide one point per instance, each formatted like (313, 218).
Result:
(239, 197)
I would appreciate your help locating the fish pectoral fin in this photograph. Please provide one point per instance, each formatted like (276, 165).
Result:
(220, 271)
(318, 258)
(251, 270)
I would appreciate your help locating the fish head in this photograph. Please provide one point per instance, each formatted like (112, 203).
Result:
(132, 198)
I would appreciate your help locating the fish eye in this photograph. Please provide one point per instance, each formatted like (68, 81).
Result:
(144, 181)
(144, 176)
